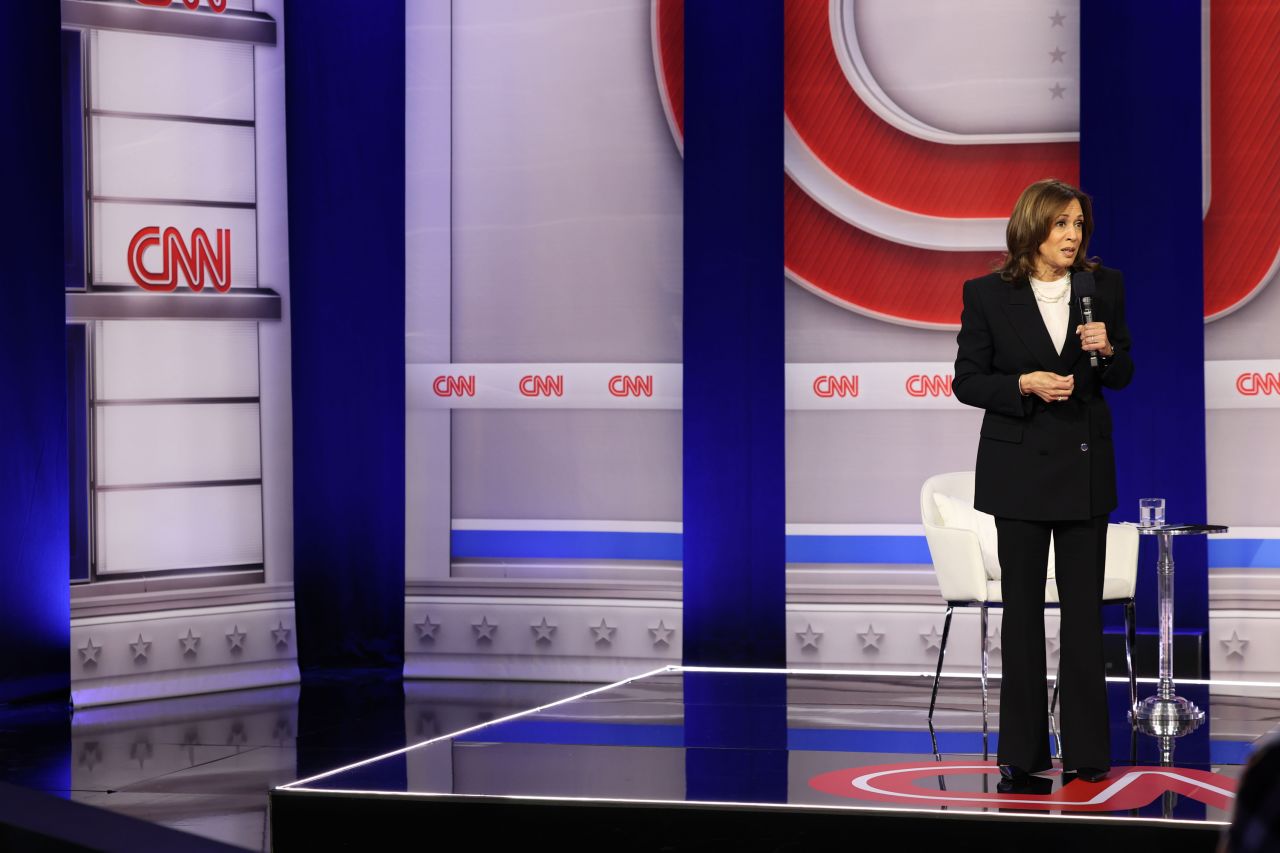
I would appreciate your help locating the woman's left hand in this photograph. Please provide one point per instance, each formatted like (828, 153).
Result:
(1093, 338)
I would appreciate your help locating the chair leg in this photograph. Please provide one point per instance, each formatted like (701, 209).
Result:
(937, 675)
(982, 628)
(1130, 636)
(1053, 723)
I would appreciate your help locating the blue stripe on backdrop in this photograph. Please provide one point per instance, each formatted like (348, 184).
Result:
(35, 601)
(1140, 158)
(734, 407)
(345, 89)
(893, 550)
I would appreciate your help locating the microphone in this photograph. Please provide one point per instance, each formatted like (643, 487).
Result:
(1085, 287)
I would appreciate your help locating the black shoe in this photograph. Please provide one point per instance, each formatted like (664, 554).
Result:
(1089, 774)
(1021, 782)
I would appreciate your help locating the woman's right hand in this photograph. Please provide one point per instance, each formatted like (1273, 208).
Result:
(1050, 387)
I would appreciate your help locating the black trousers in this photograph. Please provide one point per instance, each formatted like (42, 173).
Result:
(1080, 549)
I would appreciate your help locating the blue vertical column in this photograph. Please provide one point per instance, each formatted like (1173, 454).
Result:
(1140, 158)
(734, 500)
(345, 90)
(35, 603)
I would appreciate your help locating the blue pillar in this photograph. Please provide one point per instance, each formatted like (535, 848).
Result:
(35, 602)
(1140, 158)
(734, 468)
(345, 90)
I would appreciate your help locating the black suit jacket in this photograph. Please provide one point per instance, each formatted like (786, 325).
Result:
(1036, 460)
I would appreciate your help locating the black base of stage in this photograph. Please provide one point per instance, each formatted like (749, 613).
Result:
(687, 758)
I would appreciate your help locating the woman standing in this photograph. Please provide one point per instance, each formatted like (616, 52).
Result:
(1046, 467)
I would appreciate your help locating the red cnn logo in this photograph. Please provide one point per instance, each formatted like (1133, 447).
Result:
(542, 386)
(1253, 384)
(926, 385)
(195, 261)
(218, 6)
(631, 386)
(836, 386)
(454, 386)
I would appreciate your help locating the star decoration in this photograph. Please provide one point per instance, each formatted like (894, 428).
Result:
(871, 638)
(661, 634)
(283, 730)
(809, 638)
(237, 736)
(603, 632)
(993, 640)
(280, 634)
(1056, 54)
(1054, 642)
(141, 751)
(90, 755)
(189, 643)
(1235, 645)
(932, 640)
(89, 652)
(426, 628)
(235, 637)
(428, 725)
(542, 631)
(1057, 18)
(140, 648)
(1055, 92)
(484, 629)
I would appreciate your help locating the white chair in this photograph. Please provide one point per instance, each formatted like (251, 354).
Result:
(965, 579)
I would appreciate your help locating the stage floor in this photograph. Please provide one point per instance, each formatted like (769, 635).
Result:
(801, 741)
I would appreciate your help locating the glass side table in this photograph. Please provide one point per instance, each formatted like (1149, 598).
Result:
(1167, 714)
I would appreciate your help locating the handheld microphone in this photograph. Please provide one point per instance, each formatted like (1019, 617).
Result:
(1085, 287)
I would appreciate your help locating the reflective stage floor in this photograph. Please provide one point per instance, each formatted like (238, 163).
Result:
(205, 765)
(680, 756)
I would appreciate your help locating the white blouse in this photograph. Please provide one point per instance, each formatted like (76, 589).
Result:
(1053, 300)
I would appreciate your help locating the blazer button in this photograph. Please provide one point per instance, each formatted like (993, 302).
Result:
(1084, 446)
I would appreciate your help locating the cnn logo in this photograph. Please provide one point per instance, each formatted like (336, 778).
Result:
(542, 386)
(631, 386)
(1253, 384)
(836, 386)
(929, 385)
(454, 386)
(198, 259)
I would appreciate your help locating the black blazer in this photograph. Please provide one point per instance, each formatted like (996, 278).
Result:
(1040, 461)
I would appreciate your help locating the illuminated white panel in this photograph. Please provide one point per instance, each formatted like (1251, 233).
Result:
(114, 226)
(132, 72)
(157, 529)
(157, 158)
(173, 359)
(175, 443)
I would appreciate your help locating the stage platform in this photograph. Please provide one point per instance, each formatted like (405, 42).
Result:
(684, 757)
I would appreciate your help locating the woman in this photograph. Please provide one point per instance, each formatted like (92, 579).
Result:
(1045, 466)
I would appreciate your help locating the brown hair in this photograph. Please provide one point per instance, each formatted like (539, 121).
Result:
(1031, 222)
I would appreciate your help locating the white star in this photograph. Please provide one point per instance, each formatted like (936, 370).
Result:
(1235, 645)
(484, 629)
(993, 640)
(870, 638)
(1054, 642)
(141, 751)
(89, 652)
(235, 637)
(283, 729)
(661, 633)
(1057, 53)
(280, 634)
(542, 631)
(1055, 92)
(91, 754)
(190, 642)
(809, 638)
(932, 640)
(141, 648)
(603, 632)
(1057, 18)
(426, 628)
